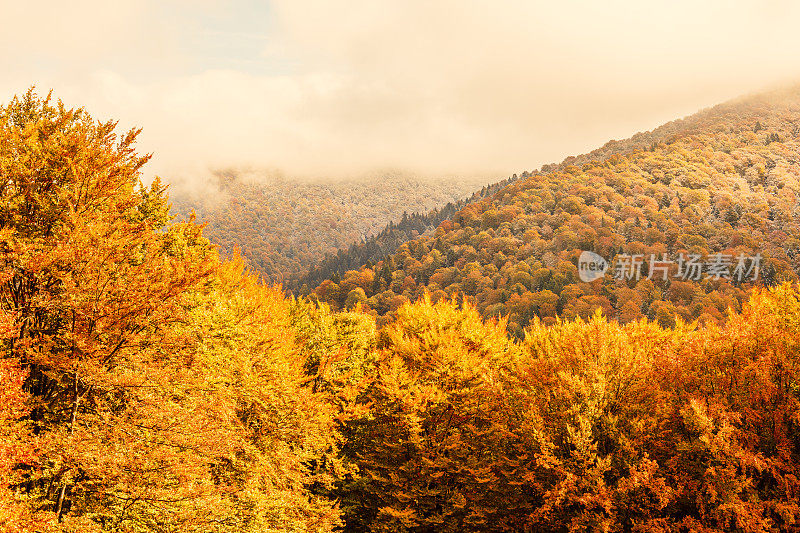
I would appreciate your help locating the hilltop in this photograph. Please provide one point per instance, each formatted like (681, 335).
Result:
(723, 181)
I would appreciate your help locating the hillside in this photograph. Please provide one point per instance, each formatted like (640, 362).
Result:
(379, 246)
(283, 227)
(302, 232)
(723, 181)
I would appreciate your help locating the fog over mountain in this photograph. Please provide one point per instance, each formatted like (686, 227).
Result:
(430, 87)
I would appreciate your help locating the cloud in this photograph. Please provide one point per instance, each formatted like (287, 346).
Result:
(313, 87)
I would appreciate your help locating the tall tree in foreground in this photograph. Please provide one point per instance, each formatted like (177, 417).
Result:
(592, 385)
(435, 434)
(93, 287)
(140, 423)
(736, 419)
(277, 438)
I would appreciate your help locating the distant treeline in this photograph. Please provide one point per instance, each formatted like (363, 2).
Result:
(283, 227)
(377, 247)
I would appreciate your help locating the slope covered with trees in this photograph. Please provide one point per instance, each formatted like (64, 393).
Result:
(726, 181)
(378, 247)
(284, 227)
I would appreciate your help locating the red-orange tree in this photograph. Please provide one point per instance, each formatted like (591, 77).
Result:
(92, 285)
(16, 443)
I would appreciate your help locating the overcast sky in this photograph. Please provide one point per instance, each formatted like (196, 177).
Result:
(335, 88)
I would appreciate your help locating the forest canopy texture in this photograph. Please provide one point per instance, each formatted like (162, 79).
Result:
(148, 385)
(724, 181)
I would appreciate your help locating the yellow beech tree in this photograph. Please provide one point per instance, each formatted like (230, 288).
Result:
(162, 391)
(427, 447)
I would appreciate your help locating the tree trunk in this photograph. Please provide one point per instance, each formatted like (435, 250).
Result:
(75, 402)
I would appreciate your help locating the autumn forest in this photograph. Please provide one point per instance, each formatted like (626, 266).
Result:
(445, 370)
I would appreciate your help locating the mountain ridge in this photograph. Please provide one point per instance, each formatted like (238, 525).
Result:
(722, 180)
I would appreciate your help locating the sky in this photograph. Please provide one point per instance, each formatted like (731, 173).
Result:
(327, 89)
